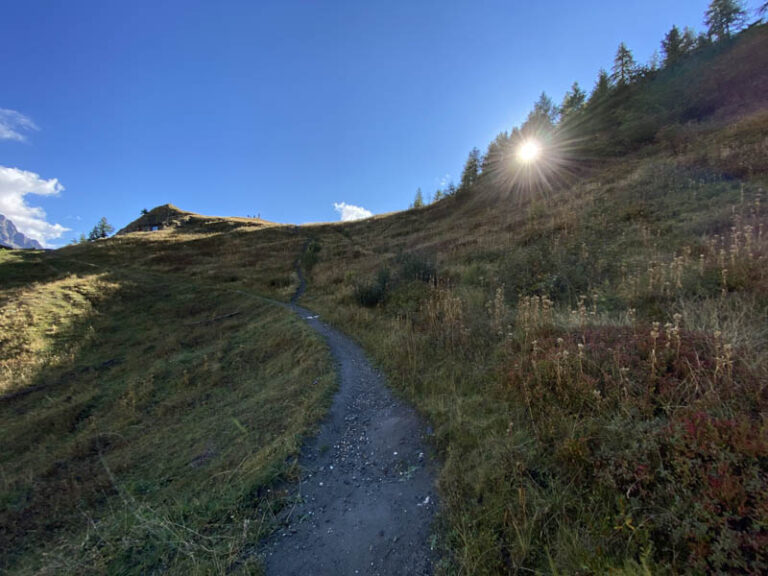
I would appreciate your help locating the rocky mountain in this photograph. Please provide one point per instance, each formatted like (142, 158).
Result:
(10, 237)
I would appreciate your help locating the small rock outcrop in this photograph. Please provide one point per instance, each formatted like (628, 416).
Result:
(165, 216)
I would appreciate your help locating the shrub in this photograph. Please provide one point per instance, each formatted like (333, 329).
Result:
(415, 266)
(374, 293)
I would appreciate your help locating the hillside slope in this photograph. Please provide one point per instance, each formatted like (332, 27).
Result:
(148, 423)
(593, 358)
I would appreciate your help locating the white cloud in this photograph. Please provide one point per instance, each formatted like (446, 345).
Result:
(349, 212)
(15, 125)
(31, 221)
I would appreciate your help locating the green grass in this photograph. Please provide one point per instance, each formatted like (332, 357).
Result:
(143, 434)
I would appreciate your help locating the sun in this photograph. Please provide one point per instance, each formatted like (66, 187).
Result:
(529, 151)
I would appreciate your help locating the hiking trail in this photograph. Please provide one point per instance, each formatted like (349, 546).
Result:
(367, 491)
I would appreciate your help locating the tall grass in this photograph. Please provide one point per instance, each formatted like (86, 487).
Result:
(144, 428)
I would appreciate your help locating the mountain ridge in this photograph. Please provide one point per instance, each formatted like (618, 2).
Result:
(10, 237)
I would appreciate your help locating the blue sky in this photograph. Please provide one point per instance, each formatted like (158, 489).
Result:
(279, 108)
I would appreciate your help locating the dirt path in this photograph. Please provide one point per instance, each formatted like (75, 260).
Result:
(367, 490)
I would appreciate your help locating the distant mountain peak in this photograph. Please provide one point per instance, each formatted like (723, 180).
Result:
(10, 237)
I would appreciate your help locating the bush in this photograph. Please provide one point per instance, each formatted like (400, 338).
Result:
(375, 293)
(309, 257)
(415, 266)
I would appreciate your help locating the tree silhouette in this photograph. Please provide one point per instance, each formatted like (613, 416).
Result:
(418, 201)
(101, 230)
(471, 170)
(672, 46)
(543, 116)
(602, 87)
(723, 16)
(624, 66)
(573, 101)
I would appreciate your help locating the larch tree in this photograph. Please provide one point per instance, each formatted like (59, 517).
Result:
(418, 201)
(724, 16)
(624, 66)
(672, 46)
(573, 102)
(543, 117)
(471, 170)
(601, 89)
(101, 230)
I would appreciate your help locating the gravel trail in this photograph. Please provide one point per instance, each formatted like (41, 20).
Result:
(367, 493)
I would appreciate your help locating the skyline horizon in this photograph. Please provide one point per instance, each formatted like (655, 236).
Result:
(362, 146)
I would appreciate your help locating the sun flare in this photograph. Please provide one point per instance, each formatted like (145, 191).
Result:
(529, 151)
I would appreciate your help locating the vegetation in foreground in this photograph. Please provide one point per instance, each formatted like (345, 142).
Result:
(147, 423)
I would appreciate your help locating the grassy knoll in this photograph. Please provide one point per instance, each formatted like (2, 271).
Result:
(142, 428)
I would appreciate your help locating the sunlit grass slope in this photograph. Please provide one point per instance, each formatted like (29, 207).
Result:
(144, 418)
(594, 359)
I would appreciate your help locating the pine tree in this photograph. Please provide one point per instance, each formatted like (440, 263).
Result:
(573, 101)
(101, 230)
(624, 66)
(723, 16)
(438, 196)
(471, 170)
(672, 46)
(418, 201)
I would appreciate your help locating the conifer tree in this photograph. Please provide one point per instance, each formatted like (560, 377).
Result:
(543, 116)
(418, 201)
(101, 230)
(723, 16)
(624, 66)
(495, 152)
(573, 101)
(602, 87)
(672, 46)
(471, 170)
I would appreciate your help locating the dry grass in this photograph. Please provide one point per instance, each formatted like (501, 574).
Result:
(141, 431)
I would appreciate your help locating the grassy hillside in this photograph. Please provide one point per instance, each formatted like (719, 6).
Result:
(595, 367)
(593, 359)
(144, 418)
